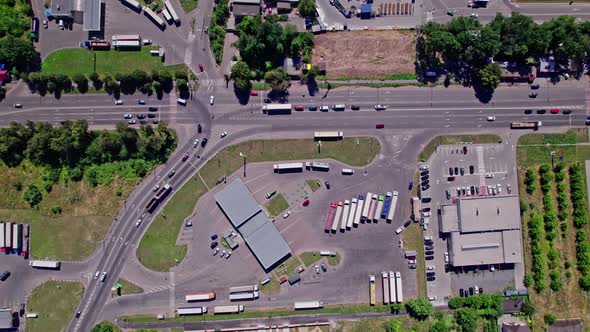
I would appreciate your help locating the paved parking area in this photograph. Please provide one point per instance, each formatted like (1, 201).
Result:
(402, 14)
(483, 166)
(368, 249)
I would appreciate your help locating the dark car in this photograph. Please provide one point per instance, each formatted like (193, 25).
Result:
(171, 173)
(456, 170)
(480, 290)
(448, 194)
(313, 108)
(464, 149)
(185, 157)
(472, 190)
(428, 242)
(199, 128)
(78, 313)
(327, 185)
(151, 115)
(267, 100)
(430, 274)
(535, 86)
(461, 292)
(428, 247)
(451, 178)
(430, 278)
(471, 169)
(355, 107)
(429, 252)
(462, 171)
(324, 268)
(533, 95)
(204, 142)
(4, 275)
(141, 102)
(450, 171)
(425, 182)
(541, 111)
(470, 290)
(410, 185)
(424, 178)
(155, 121)
(141, 116)
(152, 109)
(213, 244)
(528, 111)
(424, 173)
(567, 112)
(425, 187)
(429, 258)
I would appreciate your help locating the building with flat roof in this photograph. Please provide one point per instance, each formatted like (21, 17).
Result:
(62, 9)
(259, 233)
(483, 230)
(241, 8)
(92, 15)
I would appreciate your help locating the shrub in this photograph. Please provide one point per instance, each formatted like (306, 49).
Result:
(419, 309)
(32, 195)
(119, 192)
(56, 209)
(549, 319)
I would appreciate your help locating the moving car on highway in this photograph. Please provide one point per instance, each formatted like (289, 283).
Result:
(119, 102)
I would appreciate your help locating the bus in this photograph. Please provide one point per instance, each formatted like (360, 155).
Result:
(154, 17)
(35, 29)
(328, 135)
(271, 109)
(133, 4)
(172, 12)
(330, 219)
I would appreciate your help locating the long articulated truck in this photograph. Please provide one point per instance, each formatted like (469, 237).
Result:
(2, 236)
(308, 305)
(351, 213)
(372, 208)
(330, 218)
(228, 309)
(160, 195)
(359, 210)
(200, 297)
(368, 201)
(242, 289)
(345, 215)
(337, 217)
(391, 276)
(385, 281)
(392, 206)
(243, 296)
(386, 205)
(191, 311)
(372, 290)
(133, 4)
(379, 208)
(526, 125)
(398, 287)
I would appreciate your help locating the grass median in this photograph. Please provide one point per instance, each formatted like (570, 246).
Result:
(277, 205)
(127, 287)
(55, 302)
(413, 240)
(158, 250)
(429, 149)
(314, 184)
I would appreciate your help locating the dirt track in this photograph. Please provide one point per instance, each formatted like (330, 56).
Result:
(366, 54)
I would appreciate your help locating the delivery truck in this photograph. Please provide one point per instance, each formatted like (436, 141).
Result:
(243, 296)
(228, 309)
(199, 297)
(308, 305)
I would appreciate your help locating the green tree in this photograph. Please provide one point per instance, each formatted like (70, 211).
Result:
(32, 195)
(105, 326)
(277, 79)
(240, 74)
(528, 309)
(419, 308)
(489, 76)
(307, 8)
(549, 319)
(19, 53)
(439, 326)
(466, 318)
(394, 325)
(93, 77)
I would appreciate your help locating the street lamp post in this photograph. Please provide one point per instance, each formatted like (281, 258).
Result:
(244, 156)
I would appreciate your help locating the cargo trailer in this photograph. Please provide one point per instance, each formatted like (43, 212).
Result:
(330, 218)
(351, 214)
(385, 282)
(391, 277)
(199, 297)
(398, 287)
(242, 289)
(372, 208)
(359, 208)
(391, 211)
(368, 200)
(345, 211)
(191, 311)
(337, 217)
(379, 208)
(228, 309)
(243, 296)
(308, 305)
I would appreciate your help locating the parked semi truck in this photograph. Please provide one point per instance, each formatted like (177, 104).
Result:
(308, 305)
(242, 289)
(45, 264)
(351, 213)
(228, 309)
(243, 296)
(337, 217)
(372, 289)
(393, 204)
(199, 297)
(317, 166)
(391, 277)
(359, 209)
(398, 287)
(345, 211)
(191, 311)
(386, 205)
(372, 208)
(379, 208)
(526, 125)
(133, 4)
(385, 281)
(368, 201)
(330, 218)
(2, 236)
(17, 238)
(8, 237)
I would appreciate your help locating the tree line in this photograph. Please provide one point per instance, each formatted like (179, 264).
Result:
(464, 46)
(580, 214)
(128, 83)
(217, 28)
(263, 46)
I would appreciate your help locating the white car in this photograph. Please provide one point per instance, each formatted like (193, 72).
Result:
(432, 298)
(430, 267)
(137, 223)
(286, 215)
(211, 100)
(196, 143)
(222, 253)
(317, 269)
(499, 188)
(96, 275)
(228, 254)
(119, 102)
(423, 167)
(491, 118)
(223, 134)
(476, 15)
(446, 257)
(380, 107)
(509, 188)
(489, 176)
(476, 289)
(215, 251)
(426, 214)
(147, 41)
(399, 230)
(411, 261)
(156, 187)
(128, 116)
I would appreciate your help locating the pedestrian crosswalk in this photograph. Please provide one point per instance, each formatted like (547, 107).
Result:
(158, 289)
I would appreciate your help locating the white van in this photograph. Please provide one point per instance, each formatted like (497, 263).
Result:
(347, 171)
(324, 108)
(339, 107)
(32, 315)
(181, 101)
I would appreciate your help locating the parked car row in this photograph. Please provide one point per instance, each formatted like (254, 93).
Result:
(552, 111)
(471, 291)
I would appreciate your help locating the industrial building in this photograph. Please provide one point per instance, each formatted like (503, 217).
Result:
(259, 233)
(483, 231)
(88, 12)
(241, 8)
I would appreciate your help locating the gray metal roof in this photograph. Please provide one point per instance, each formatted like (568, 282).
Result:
(5, 319)
(246, 9)
(92, 15)
(478, 214)
(237, 203)
(62, 8)
(260, 234)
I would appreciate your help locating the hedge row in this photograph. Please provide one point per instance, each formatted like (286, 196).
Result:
(578, 197)
(535, 225)
(530, 180)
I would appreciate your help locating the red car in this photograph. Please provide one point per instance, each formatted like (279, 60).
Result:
(253, 93)
(282, 279)
(306, 202)
(554, 111)
(380, 126)
(201, 67)
(451, 178)
(299, 108)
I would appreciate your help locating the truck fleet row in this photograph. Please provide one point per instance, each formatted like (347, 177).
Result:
(348, 214)
(391, 286)
(14, 238)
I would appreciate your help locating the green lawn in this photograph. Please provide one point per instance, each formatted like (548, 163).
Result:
(259, 86)
(189, 5)
(127, 287)
(288, 267)
(310, 258)
(55, 302)
(428, 150)
(158, 250)
(413, 238)
(334, 260)
(71, 61)
(314, 184)
(277, 205)
(572, 136)
(271, 288)
(354, 151)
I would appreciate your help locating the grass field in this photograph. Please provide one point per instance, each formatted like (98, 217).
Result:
(354, 151)
(271, 288)
(71, 61)
(413, 238)
(87, 212)
(127, 287)
(189, 5)
(428, 150)
(313, 184)
(158, 250)
(310, 258)
(55, 302)
(570, 301)
(403, 323)
(277, 205)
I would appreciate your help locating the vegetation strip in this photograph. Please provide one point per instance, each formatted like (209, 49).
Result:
(55, 302)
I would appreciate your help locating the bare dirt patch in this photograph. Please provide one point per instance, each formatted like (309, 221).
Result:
(366, 54)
